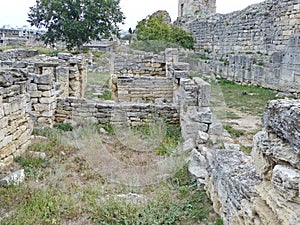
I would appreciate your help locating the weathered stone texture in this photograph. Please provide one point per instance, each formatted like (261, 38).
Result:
(140, 63)
(144, 89)
(104, 112)
(260, 27)
(283, 118)
(259, 45)
(195, 8)
(15, 125)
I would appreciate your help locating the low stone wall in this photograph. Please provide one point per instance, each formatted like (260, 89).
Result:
(195, 114)
(144, 89)
(15, 126)
(16, 55)
(105, 112)
(140, 63)
(264, 188)
(29, 88)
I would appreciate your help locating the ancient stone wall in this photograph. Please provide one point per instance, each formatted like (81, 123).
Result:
(258, 45)
(29, 88)
(264, 27)
(105, 112)
(15, 125)
(140, 63)
(278, 71)
(263, 189)
(147, 77)
(144, 89)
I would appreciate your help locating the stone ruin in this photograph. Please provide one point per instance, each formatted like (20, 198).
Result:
(42, 90)
(259, 45)
(262, 189)
(259, 189)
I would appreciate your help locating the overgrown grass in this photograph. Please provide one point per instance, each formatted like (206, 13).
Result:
(107, 95)
(233, 132)
(68, 190)
(248, 99)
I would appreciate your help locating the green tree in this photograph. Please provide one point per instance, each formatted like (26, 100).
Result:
(183, 38)
(154, 28)
(76, 21)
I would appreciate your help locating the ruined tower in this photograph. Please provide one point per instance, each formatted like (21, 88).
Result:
(192, 8)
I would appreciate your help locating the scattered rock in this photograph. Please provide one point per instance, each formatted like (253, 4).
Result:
(202, 137)
(13, 179)
(229, 146)
(41, 155)
(103, 131)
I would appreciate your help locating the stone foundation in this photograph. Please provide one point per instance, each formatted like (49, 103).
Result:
(263, 189)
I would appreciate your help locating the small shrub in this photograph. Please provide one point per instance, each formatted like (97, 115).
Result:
(225, 61)
(107, 95)
(233, 132)
(63, 126)
(260, 63)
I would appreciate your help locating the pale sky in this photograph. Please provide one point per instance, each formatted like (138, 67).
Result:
(14, 12)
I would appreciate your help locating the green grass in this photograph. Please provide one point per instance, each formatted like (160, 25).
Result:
(172, 137)
(68, 190)
(253, 103)
(233, 132)
(107, 95)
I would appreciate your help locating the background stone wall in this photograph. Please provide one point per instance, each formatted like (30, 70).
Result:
(278, 71)
(264, 27)
(259, 45)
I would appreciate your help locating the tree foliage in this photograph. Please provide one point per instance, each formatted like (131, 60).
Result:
(153, 28)
(76, 21)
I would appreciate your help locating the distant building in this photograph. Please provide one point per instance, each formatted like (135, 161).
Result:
(10, 35)
(104, 45)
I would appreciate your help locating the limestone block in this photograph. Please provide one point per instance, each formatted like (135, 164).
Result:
(181, 74)
(43, 87)
(275, 149)
(43, 79)
(283, 118)
(188, 145)
(47, 100)
(202, 137)
(7, 150)
(41, 107)
(14, 178)
(197, 166)
(181, 66)
(284, 210)
(64, 56)
(204, 92)
(286, 180)
(32, 87)
(35, 94)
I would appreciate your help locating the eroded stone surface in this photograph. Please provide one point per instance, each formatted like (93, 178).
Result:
(282, 117)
